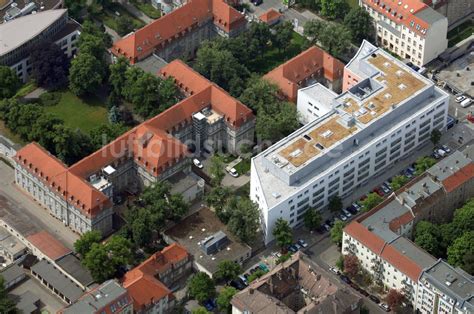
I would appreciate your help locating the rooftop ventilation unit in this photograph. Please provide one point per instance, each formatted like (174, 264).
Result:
(327, 133)
(295, 153)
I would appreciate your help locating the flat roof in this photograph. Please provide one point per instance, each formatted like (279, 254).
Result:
(72, 265)
(413, 252)
(57, 280)
(12, 272)
(43, 5)
(191, 231)
(22, 29)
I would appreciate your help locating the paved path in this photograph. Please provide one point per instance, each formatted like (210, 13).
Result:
(35, 94)
(136, 12)
(115, 36)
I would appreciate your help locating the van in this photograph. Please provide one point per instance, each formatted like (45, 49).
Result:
(466, 102)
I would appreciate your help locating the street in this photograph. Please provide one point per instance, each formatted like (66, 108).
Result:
(25, 215)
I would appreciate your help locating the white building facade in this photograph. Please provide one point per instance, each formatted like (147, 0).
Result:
(369, 128)
(410, 29)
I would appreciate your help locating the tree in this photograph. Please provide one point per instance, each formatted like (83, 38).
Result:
(463, 219)
(217, 199)
(462, 246)
(201, 287)
(312, 219)
(75, 7)
(243, 218)
(351, 265)
(314, 29)
(94, 40)
(70, 145)
(201, 310)
(336, 232)
(142, 89)
(85, 74)
(168, 95)
(435, 137)
(423, 164)
(118, 75)
(398, 181)
(276, 121)
(394, 298)
(216, 170)
(282, 233)
(102, 260)
(334, 9)
(335, 39)
(85, 242)
(428, 236)
(7, 305)
(372, 200)
(258, 37)
(259, 93)
(283, 35)
(9, 82)
(49, 65)
(105, 133)
(124, 25)
(227, 270)
(224, 298)
(359, 22)
(335, 204)
(468, 263)
(340, 263)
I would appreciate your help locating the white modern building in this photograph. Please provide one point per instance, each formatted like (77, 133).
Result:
(408, 28)
(19, 37)
(371, 126)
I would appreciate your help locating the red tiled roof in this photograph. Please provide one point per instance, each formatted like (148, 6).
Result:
(61, 180)
(405, 12)
(364, 236)
(144, 289)
(144, 41)
(270, 16)
(401, 262)
(404, 219)
(149, 143)
(141, 282)
(311, 61)
(458, 178)
(48, 245)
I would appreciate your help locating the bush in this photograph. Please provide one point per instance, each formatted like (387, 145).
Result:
(259, 273)
(50, 99)
(283, 258)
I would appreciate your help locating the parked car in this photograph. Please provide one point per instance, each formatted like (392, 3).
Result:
(197, 163)
(263, 267)
(233, 172)
(257, 2)
(298, 247)
(237, 284)
(351, 209)
(460, 98)
(441, 152)
(466, 102)
(346, 213)
(356, 206)
(385, 307)
(436, 155)
(243, 279)
(363, 292)
(292, 249)
(384, 189)
(379, 192)
(411, 169)
(446, 148)
(210, 304)
(327, 227)
(345, 279)
(374, 298)
(342, 217)
(334, 270)
(303, 243)
(329, 222)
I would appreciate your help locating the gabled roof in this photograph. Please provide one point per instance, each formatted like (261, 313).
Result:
(143, 42)
(313, 61)
(463, 175)
(48, 245)
(270, 15)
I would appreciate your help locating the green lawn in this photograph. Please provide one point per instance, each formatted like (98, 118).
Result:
(243, 167)
(273, 58)
(109, 17)
(76, 112)
(460, 33)
(353, 3)
(147, 8)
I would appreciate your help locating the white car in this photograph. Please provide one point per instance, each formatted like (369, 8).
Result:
(233, 172)
(197, 163)
(446, 148)
(334, 270)
(343, 218)
(466, 102)
(460, 98)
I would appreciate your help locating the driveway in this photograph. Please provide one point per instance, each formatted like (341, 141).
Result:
(20, 210)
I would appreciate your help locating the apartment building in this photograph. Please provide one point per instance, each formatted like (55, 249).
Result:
(109, 297)
(313, 65)
(409, 28)
(457, 11)
(144, 282)
(12, 9)
(380, 238)
(82, 195)
(371, 126)
(296, 286)
(180, 32)
(20, 36)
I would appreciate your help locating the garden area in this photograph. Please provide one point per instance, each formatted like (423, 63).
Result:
(460, 33)
(119, 19)
(78, 113)
(147, 8)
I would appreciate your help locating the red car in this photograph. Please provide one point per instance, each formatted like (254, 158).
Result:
(379, 192)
